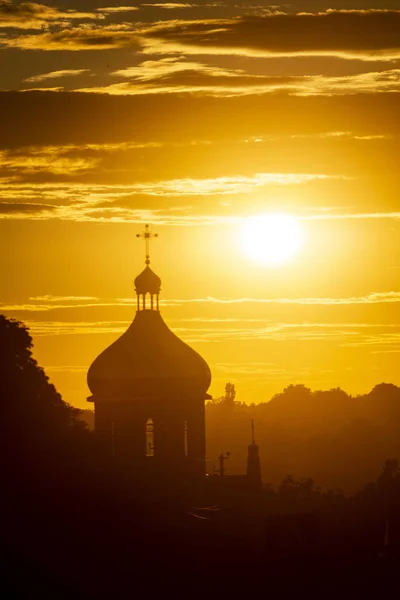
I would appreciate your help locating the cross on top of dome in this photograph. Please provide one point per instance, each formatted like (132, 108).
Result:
(147, 235)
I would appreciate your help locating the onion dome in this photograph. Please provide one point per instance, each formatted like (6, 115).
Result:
(148, 360)
(147, 282)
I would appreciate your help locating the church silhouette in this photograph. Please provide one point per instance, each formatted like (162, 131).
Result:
(149, 390)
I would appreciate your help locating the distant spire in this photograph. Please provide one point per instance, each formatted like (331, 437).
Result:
(147, 235)
(253, 463)
(386, 541)
(385, 550)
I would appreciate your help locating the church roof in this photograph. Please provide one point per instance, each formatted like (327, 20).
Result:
(148, 360)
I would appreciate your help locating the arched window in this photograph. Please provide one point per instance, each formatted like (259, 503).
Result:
(150, 437)
(185, 438)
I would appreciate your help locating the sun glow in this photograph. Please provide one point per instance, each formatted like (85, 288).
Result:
(271, 239)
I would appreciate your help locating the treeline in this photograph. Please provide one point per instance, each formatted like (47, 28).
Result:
(341, 441)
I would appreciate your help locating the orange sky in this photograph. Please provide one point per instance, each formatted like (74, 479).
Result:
(193, 118)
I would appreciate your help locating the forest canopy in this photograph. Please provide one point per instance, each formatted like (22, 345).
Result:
(341, 441)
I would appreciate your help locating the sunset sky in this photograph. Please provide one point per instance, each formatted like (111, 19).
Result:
(194, 117)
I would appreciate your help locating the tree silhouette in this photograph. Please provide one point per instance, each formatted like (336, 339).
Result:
(35, 418)
(230, 393)
(341, 441)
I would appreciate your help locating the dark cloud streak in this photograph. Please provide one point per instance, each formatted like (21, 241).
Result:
(76, 118)
(356, 33)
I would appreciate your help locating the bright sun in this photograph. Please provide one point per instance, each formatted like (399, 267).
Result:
(272, 239)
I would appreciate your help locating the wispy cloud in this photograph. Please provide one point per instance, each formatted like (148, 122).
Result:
(386, 336)
(22, 308)
(50, 303)
(32, 15)
(50, 298)
(108, 10)
(67, 369)
(56, 328)
(56, 75)
(177, 75)
(48, 160)
(345, 216)
(83, 37)
(257, 369)
(96, 202)
(180, 5)
(372, 298)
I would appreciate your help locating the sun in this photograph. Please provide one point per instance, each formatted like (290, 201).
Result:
(271, 238)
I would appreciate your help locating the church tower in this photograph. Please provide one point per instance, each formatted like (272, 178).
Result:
(149, 390)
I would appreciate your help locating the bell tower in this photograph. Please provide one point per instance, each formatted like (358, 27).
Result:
(149, 390)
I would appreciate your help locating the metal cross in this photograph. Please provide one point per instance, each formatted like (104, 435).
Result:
(147, 235)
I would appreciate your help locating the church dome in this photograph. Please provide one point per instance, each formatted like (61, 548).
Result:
(147, 282)
(148, 360)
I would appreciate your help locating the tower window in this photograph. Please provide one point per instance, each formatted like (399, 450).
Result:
(185, 438)
(150, 437)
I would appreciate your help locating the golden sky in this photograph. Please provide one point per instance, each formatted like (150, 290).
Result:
(193, 117)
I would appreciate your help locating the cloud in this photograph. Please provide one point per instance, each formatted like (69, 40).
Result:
(50, 298)
(132, 203)
(67, 369)
(177, 75)
(58, 88)
(134, 181)
(363, 34)
(56, 328)
(150, 70)
(32, 15)
(383, 339)
(10, 209)
(84, 37)
(345, 216)
(263, 373)
(223, 185)
(49, 302)
(346, 334)
(108, 10)
(57, 161)
(372, 298)
(56, 75)
(52, 305)
(175, 5)
(91, 202)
